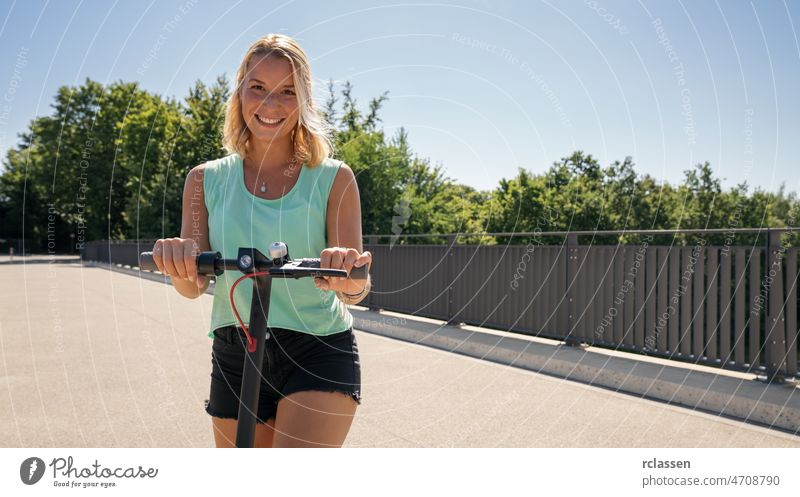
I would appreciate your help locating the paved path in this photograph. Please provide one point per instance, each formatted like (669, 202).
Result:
(96, 358)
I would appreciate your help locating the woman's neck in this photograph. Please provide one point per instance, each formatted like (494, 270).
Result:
(269, 156)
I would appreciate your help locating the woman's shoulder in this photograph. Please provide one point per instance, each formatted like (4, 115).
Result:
(212, 174)
(221, 163)
(329, 163)
(217, 170)
(324, 171)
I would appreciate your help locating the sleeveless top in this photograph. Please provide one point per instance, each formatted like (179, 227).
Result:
(237, 218)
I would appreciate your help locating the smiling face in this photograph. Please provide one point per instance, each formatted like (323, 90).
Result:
(269, 98)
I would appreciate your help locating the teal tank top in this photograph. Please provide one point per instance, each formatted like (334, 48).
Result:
(237, 218)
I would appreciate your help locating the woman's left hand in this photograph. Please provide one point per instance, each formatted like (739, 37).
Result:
(342, 258)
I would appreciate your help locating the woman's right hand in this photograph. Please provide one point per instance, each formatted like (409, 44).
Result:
(177, 257)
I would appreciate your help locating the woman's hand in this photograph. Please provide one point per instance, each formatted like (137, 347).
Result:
(177, 258)
(342, 258)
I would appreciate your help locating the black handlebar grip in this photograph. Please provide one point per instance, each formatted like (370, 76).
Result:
(146, 262)
(207, 263)
(359, 273)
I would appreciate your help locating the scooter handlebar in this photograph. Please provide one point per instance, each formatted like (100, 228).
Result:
(293, 269)
(146, 262)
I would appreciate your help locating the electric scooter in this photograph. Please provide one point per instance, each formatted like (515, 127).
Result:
(253, 264)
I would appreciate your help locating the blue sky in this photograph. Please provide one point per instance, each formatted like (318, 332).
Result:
(483, 87)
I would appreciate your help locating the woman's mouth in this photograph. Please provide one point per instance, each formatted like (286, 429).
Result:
(269, 123)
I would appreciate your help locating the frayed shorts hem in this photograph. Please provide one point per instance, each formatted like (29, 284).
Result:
(355, 395)
(224, 415)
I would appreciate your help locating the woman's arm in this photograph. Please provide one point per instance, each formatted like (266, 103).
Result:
(343, 223)
(194, 225)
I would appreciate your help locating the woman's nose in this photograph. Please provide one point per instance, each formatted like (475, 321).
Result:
(270, 99)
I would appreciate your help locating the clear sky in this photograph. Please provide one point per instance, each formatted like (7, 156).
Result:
(483, 87)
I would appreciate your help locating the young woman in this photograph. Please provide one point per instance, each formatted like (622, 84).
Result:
(278, 184)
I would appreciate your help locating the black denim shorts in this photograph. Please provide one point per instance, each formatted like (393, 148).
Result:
(293, 361)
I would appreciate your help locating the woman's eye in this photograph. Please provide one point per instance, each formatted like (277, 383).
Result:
(289, 92)
(257, 87)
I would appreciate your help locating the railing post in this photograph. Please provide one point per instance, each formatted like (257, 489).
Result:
(775, 335)
(451, 242)
(571, 305)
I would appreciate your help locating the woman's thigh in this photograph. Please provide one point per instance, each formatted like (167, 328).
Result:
(225, 433)
(313, 418)
(321, 393)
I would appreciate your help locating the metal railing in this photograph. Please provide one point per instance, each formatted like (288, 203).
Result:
(724, 305)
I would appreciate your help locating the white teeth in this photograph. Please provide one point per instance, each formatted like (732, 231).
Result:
(268, 121)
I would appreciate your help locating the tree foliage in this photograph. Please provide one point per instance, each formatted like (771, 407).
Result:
(110, 163)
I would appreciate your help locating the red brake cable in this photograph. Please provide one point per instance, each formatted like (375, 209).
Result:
(251, 343)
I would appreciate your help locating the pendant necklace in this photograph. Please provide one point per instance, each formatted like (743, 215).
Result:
(264, 183)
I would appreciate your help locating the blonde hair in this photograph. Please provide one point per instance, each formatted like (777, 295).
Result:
(312, 142)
